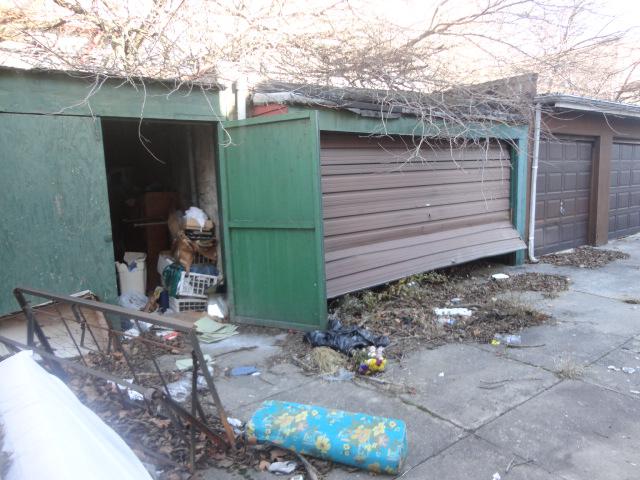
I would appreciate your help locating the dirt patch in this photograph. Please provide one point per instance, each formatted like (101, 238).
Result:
(584, 257)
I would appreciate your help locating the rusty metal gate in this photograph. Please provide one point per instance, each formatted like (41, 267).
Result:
(86, 343)
(624, 196)
(563, 194)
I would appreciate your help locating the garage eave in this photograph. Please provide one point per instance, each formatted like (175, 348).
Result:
(587, 104)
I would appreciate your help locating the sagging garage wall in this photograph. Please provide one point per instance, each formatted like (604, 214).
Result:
(603, 129)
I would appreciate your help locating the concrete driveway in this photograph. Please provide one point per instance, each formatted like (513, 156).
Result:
(479, 410)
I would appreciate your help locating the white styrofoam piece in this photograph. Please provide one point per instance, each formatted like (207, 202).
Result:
(50, 434)
(453, 312)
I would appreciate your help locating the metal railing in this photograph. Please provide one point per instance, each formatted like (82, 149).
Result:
(88, 328)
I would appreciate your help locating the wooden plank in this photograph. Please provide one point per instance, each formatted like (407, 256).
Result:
(418, 215)
(471, 192)
(390, 194)
(452, 240)
(413, 166)
(350, 183)
(330, 156)
(414, 240)
(338, 242)
(370, 278)
(346, 140)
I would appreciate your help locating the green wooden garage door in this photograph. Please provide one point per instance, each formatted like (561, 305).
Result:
(55, 232)
(272, 224)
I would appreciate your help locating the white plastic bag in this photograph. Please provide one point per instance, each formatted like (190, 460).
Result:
(51, 435)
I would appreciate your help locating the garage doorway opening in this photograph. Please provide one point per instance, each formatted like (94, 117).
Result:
(155, 172)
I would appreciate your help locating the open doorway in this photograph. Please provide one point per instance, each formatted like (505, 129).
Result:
(156, 171)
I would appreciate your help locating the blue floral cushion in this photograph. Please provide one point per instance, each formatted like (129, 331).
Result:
(377, 444)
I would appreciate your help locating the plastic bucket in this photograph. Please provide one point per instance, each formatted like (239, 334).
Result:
(133, 280)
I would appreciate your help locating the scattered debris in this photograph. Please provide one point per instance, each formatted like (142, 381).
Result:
(441, 374)
(345, 339)
(453, 312)
(187, 363)
(283, 468)
(404, 311)
(236, 424)
(628, 370)
(370, 361)
(613, 367)
(500, 276)
(341, 375)
(210, 331)
(242, 371)
(584, 257)
(328, 361)
(632, 301)
(635, 392)
(496, 476)
(499, 338)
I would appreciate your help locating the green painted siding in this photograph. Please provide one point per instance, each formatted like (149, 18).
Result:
(55, 232)
(344, 121)
(50, 92)
(519, 155)
(272, 218)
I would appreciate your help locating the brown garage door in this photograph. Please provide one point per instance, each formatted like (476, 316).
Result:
(562, 200)
(624, 197)
(387, 216)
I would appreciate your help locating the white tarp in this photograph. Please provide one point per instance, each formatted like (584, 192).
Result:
(51, 435)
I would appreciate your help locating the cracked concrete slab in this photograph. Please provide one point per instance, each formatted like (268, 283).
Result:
(612, 371)
(237, 392)
(548, 346)
(601, 314)
(575, 430)
(473, 457)
(466, 385)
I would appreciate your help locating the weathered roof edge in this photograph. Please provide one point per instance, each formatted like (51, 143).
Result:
(86, 74)
(588, 104)
(377, 103)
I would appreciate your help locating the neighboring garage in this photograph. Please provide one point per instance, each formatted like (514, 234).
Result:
(588, 179)
(563, 192)
(624, 196)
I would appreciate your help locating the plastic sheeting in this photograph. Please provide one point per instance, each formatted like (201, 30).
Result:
(51, 435)
(345, 339)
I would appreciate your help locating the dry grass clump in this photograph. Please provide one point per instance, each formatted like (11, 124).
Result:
(568, 369)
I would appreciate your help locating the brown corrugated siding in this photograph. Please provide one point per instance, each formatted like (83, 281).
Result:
(388, 213)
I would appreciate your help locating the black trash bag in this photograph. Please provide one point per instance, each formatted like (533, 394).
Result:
(345, 339)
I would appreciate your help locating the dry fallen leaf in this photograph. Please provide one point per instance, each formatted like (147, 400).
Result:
(263, 466)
